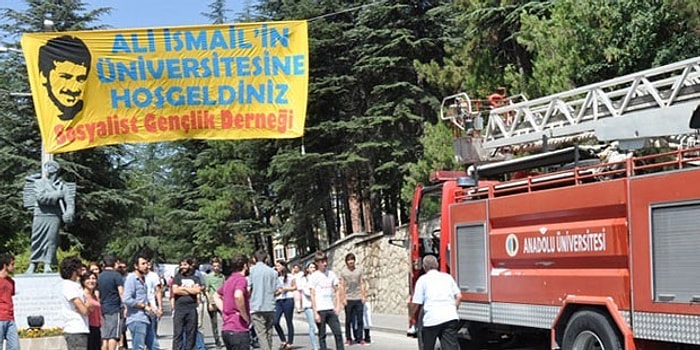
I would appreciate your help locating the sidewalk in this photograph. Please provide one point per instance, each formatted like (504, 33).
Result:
(386, 322)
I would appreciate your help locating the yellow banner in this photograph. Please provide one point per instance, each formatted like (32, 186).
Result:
(238, 81)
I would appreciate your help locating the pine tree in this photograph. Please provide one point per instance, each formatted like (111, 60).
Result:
(101, 200)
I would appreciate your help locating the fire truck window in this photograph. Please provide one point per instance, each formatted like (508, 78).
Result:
(429, 212)
(429, 247)
(429, 224)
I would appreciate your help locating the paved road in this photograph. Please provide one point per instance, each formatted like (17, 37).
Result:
(388, 335)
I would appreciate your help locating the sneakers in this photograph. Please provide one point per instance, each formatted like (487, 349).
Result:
(362, 342)
(348, 342)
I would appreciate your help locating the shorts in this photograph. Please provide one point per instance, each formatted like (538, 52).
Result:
(111, 326)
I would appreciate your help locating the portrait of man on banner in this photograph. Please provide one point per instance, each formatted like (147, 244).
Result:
(64, 64)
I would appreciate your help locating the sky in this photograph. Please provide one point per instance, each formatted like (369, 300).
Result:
(149, 13)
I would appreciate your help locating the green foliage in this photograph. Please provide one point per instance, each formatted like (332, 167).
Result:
(19, 152)
(218, 12)
(582, 42)
(224, 202)
(391, 38)
(158, 223)
(378, 71)
(437, 155)
(66, 15)
(22, 259)
(481, 46)
(101, 201)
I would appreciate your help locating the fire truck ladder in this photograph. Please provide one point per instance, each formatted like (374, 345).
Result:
(652, 103)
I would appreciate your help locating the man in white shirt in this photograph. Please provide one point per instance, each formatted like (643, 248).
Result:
(155, 299)
(439, 296)
(325, 301)
(75, 306)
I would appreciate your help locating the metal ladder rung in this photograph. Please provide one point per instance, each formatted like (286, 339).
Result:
(593, 106)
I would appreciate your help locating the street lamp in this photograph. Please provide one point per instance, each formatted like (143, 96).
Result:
(9, 49)
(45, 156)
(48, 25)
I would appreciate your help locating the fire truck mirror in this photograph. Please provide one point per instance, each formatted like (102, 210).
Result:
(389, 225)
(399, 242)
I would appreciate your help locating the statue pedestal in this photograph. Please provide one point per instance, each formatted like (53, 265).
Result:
(46, 343)
(38, 294)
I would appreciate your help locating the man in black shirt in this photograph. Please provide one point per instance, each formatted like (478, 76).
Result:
(110, 283)
(186, 288)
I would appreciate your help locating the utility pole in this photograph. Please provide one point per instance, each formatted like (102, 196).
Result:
(45, 156)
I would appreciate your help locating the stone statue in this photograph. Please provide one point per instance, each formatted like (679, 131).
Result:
(52, 200)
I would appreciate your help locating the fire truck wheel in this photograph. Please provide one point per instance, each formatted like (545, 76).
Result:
(589, 330)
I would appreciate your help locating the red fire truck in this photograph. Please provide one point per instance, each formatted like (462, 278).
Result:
(592, 240)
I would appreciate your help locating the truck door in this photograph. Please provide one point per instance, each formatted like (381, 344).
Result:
(469, 226)
(665, 240)
(426, 223)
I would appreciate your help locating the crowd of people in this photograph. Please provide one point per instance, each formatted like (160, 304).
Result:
(102, 301)
(256, 296)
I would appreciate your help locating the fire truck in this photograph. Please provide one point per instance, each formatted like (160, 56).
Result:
(576, 217)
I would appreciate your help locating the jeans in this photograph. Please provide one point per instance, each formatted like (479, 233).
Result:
(8, 331)
(154, 326)
(141, 334)
(236, 340)
(354, 320)
(285, 306)
(199, 342)
(330, 318)
(309, 312)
